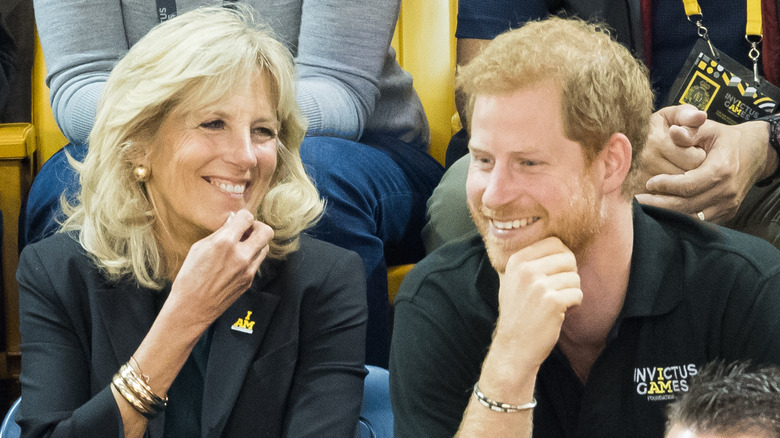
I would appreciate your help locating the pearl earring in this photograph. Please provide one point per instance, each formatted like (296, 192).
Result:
(141, 173)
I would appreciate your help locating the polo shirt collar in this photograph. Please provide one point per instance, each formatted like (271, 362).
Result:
(655, 280)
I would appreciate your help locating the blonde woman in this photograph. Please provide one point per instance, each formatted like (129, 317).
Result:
(181, 298)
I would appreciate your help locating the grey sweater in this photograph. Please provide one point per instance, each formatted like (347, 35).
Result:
(349, 85)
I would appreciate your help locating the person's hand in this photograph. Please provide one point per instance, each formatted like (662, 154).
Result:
(666, 151)
(539, 285)
(221, 267)
(736, 157)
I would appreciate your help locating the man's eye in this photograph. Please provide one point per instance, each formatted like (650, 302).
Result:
(213, 124)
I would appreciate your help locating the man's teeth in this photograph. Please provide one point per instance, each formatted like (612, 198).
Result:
(518, 223)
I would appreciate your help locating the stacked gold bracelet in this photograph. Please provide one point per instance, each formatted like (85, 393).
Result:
(137, 392)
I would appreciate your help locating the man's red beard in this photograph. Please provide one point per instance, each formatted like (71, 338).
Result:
(576, 226)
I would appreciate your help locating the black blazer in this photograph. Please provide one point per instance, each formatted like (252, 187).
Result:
(299, 373)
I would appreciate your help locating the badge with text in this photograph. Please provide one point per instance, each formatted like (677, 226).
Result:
(244, 325)
(723, 88)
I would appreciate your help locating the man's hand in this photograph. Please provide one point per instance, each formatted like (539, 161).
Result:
(734, 158)
(539, 285)
(663, 153)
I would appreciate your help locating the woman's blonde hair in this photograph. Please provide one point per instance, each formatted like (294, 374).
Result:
(605, 90)
(184, 64)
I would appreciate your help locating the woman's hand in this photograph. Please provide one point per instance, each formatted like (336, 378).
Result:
(219, 268)
(216, 271)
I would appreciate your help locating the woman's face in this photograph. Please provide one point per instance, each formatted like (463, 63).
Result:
(210, 162)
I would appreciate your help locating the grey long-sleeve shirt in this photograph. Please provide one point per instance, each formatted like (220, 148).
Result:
(349, 81)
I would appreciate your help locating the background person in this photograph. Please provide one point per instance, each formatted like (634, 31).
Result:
(181, 271)
(735, 400)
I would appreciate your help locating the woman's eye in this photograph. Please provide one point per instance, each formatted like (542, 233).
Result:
(213, 124)
(263, 134)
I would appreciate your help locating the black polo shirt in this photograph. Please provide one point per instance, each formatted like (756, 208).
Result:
(697, 292)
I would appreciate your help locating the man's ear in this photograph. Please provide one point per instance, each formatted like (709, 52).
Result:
(616, 161)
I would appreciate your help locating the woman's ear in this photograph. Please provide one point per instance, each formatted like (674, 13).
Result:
(616, 161)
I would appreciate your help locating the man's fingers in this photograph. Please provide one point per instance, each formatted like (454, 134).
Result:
(571, 297)
(687, 185)
(683, 115)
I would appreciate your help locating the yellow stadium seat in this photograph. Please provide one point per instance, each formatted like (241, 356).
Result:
(48, 135)
(17, 146)
(424, 41)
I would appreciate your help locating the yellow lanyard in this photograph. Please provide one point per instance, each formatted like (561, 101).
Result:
(753, 29)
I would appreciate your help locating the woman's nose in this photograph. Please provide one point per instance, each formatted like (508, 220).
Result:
(241, 150)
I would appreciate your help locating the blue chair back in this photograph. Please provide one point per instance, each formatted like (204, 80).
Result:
(9, 428)
(376, 417)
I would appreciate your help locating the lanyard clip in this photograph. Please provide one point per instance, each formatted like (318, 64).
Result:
(702, 31)
(753, 54)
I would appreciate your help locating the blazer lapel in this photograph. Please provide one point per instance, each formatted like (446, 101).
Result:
(238, 334)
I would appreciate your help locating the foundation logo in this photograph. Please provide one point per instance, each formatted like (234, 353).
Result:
(661, 383)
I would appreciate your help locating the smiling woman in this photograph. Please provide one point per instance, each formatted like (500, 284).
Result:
(180, 298)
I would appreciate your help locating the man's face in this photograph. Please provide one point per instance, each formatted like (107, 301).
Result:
(527, 181)
(680, 431)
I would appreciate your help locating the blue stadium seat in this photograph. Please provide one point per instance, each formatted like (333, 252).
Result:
(9, 428)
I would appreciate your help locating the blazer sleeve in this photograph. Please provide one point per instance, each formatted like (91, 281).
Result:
(327, 393)
(57, 395)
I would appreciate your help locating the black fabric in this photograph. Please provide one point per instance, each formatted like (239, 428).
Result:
(185, 396)
(696, 292)
(7, 61)
(298, 372)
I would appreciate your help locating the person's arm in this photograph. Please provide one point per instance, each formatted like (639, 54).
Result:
(56, 394)
(328, 384)
(479, 22)
(342, 48)
(434, 359)
(82, 41)
(699, 165)
(466, 50)
(540, 284)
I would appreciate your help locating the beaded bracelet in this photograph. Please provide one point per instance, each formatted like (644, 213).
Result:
(774, 131)
(498, 406)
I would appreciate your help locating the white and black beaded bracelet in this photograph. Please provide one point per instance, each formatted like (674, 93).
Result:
(498, 406)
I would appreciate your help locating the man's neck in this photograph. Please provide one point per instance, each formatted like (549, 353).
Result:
(604, 267)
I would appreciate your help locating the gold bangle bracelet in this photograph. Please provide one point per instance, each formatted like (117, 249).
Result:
(118, 383)
(137, 392)
(140, 388)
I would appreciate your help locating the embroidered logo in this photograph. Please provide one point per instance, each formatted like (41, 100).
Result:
(661, 383)
(244, 325)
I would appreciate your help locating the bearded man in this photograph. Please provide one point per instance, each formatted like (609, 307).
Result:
(575, 312)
